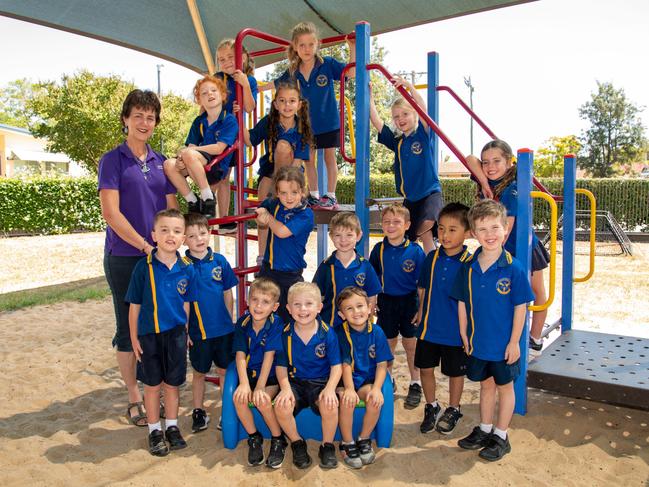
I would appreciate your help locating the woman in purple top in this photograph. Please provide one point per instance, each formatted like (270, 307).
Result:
(132, 189)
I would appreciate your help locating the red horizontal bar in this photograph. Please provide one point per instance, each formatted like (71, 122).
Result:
(326, 40)
(246, 270)
(221, 156)
(232, 219)
(252, 191)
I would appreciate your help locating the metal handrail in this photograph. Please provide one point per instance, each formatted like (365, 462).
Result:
(323, 42)
(593, 227)
(553, 248)
(343, 153)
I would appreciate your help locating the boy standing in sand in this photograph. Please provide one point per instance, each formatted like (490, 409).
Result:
(161, 287)
(493, 291)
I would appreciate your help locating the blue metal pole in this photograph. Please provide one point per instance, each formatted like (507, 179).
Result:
(524, 219)
(322, 187)
(569, 222)
(433, 99)
(362, 190)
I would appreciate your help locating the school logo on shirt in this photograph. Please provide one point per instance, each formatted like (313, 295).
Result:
(408, 265)
(217, 273)
(504, 285)
(416, 148)
(321, 80)
(371, 350)
(182, 286)
(321, 350)
(360, 279)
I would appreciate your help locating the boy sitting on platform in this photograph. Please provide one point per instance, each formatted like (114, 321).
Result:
(365, 354)
(308, 371)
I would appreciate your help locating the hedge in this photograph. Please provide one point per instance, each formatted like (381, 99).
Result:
(63, 205)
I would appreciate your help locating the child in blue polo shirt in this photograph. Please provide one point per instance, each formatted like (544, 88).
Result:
(308, 370)
(439, 330)
(415, 172)
(493, 291)
(315, 76)
(365, 354)
(210, 317)
(398, 261)
(286, 132)
(161, 287)
(290, 222)
(211, 133)
(257, 336)
(344, 267)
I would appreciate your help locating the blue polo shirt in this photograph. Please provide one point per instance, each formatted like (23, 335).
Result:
(312, 360)
(332, 277)
(224, 129)
(490, 299)
(208, 315)
(320, 93)
(287, 254)
(231, 86)
(398, 266)
(415, 173)
(161, 292)
(255, 345)
(439, 322)
(363, 350)
(260, 133)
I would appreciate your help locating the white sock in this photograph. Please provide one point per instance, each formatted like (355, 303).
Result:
(315, 194)
(486, 428)
(190, 197)
(171, 422)
(501, 433)
(434, 403)
(155, 426)
(538, 341)
(331, 195)
(415, 382)
(206, 194)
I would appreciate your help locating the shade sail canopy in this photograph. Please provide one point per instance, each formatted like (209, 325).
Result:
(186, 32)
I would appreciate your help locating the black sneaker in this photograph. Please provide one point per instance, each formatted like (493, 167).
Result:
(446, 424)
(351, 455)
(537, 347)
(220, 425)
(208, 208)
(496, 448)
(476, 440)
(366, 451)
(327, 456)
(394, 386)
(255, 449)
(227, 228)
(194, 207)
(431, 415)
(327, 202)
(276, 452)
(199, 420)
(312, 201)
(174, 438)
(414, 396)
(301, 458)
(157, 445)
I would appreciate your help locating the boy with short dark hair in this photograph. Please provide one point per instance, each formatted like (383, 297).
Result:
(493, 292)
(308, 370)
(438, 327)
(161, 287)
(344, 267)
(397, 261)
(210, 317)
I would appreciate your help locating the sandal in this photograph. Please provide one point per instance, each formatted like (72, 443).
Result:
(140, 418)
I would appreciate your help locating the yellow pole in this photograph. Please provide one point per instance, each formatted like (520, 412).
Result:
(200, 33)
(553, 248)
(593, 228)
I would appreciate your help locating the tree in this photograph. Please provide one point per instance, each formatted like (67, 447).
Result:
(80, 116)
(616, 134)
(548, 160)
(13, 99)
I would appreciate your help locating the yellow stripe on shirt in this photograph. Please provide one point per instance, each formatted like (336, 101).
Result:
(430, 293)
(200, 320)
(382, 268)
(351, 345)
(153, 295)
(403, 191)
(333, 298)
(272, 239)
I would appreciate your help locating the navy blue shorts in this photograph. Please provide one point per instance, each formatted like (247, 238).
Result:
(540, 257)
(427, 208)
(217, 351)
(306, 392)
(284, 279)
(327, 140)
(429, 355)
(478, 370)
(396, 313)
(164, 357)
(253, 378)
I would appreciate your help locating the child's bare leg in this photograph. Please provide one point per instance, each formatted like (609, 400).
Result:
(372, 413)
(177, 177)
(311, 173)
(392, 342)
(195, 164)
(152, 403)
(332, 169)
(264, 189)
(222, 190)
(487, 400)
(283, 155)
(426, 235)
(428, 384)
(409, 345)
(329, 423)
(127, 368)
(455, 386)
(538, 317)
(198, 389)
(268, 413)
(287, 422)
(171, 401)
(506, 401)
(346, 420)
(245, 416)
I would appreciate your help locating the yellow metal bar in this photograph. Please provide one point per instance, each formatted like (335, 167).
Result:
(200, 33)
(593, 228)
(350, 123)
(421, 87)
(553, 248)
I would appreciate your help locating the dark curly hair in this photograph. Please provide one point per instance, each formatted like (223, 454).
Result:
(144, 100)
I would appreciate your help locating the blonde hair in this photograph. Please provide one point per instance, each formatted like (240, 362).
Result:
(220, 84)
(291, 53)
(400, 102)
(263, 285)
(487, 209)
(345, 219)
(304, 288)
(397, 209)
(248, 64)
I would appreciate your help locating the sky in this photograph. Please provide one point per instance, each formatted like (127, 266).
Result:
(532, 65)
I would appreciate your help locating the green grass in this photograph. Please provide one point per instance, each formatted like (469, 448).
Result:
(80, 291)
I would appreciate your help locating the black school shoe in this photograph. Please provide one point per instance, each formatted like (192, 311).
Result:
(194, 207)
(414, 396)
(476, 440)
(157, 445)
(351, 455)
(208, 208)
(327, 456)
(255, 449)
(199, 420)
(366, 451)
(175, 439)
(301, 458)
(496, 448)
(447, 423)
(431, 415)
(276, 452)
